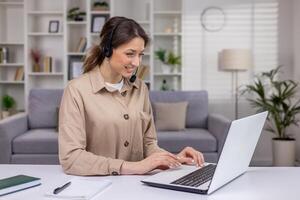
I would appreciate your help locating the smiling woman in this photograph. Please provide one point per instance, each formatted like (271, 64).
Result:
(105, 119)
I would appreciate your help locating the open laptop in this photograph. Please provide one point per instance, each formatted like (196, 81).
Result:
(234, 160)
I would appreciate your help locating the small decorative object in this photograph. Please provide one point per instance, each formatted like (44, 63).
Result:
(3, 55)
(278, 97)
(53, 26)
(36, 56)
(164, 85)
(213, 19)
(168, 30)
(97, 23)
(100, 6)
(8, 103)
(74, 14)
(168, 59)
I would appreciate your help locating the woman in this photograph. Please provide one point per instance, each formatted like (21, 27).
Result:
(105, 121)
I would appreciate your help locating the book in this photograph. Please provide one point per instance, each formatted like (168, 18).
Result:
(80, 188)
(19, 74)
(81, 45)
(48, 64)
(17, 183)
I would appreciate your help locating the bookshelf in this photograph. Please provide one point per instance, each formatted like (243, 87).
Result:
(11, 78)
(68, 42)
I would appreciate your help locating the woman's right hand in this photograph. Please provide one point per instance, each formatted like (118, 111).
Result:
(159, 160)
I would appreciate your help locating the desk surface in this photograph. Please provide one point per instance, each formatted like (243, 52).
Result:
(258, 183)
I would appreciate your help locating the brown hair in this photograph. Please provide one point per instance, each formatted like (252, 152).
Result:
(115, 32)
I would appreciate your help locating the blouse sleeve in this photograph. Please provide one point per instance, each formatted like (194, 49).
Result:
(150, 136)
(72, 140)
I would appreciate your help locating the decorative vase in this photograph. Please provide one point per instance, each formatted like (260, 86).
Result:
(5, 114)
(36, 67)
(166, 69)
(284, 152)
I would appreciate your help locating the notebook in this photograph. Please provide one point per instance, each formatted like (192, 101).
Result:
(17, 183)
(80, 188)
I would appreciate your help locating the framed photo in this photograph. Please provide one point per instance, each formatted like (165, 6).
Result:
(53, 26)
(97, 23)
(75, 66)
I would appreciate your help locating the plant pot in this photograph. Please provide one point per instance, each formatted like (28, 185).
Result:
(284, 152)
(5, 114)
(36, 67)
(166, 69)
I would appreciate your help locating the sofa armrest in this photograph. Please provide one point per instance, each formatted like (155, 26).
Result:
(9, 129)
(219, 127)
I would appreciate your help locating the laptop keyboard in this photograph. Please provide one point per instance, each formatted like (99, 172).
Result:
(198, 177)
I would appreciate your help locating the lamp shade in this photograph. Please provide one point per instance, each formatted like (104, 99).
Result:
(235, 59)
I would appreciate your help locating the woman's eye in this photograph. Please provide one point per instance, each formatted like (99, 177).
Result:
(141, 54)
(130, 54)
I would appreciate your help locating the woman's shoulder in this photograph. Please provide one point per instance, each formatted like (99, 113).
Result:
(80, 83)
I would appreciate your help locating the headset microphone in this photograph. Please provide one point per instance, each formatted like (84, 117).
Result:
(133, 77)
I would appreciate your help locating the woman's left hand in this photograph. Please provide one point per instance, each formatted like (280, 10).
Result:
(191, 156)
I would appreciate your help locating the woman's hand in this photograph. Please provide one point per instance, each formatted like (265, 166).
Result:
(191, 156)
(160, 160)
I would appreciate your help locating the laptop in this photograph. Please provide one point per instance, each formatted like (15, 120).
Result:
(234, 160)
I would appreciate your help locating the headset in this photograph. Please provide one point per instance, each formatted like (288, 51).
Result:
(108, 50)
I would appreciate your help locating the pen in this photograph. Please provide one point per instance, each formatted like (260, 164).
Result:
(59, 189)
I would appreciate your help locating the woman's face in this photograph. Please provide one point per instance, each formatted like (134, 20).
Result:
(127, 57)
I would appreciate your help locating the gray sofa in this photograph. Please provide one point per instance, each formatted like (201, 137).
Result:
(31, 138)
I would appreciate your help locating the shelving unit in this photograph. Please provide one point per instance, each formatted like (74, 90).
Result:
(161, 19)
(11, 16)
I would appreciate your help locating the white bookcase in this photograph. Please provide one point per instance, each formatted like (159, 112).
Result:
(11, 16)
(160, 18)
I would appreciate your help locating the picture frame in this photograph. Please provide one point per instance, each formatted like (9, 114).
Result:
(75, 67)
(53, 26)
(97, 23)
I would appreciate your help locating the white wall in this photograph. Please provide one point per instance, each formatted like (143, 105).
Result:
(288, 49)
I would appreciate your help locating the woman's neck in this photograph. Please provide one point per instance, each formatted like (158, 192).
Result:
(108, 74)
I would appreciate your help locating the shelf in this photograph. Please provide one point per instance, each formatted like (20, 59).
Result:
(95, 34)
(45, 74)
(167, 12)
(11, 4)
(77, 22)
(167, 74)
(11, 64)
(11, 43)
(166, 34)
(143, 22)
(12, 82)
(104, 12)
(76, 53)
(44, 34)
(45, 13)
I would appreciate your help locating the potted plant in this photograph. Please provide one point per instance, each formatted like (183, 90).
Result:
(8, 103)
(278, 98)
(100, 6)
(74, 14)
(168, 59)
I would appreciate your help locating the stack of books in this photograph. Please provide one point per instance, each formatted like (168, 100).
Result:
(47, 64)
(81, 45)
(19, 74)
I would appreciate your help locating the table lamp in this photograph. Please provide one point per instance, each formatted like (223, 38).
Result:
(235, 60)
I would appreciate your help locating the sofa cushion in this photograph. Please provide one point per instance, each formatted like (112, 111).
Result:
(175, 141)
(197, 110)
(36, 141)
(170, 116)
(42, 107)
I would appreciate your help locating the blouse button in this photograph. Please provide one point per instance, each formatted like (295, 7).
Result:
(123, 94)
(126, 116)
(126, 144)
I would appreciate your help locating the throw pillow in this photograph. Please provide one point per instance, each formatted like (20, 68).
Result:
(170, 116)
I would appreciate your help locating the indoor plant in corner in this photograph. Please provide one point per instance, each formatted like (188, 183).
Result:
(170, 62)
(278, 97)
(8, 103)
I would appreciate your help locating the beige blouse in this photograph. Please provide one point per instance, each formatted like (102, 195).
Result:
(100, 127)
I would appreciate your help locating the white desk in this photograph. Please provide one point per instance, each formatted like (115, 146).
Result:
(257, 183)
